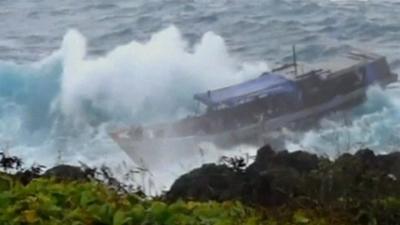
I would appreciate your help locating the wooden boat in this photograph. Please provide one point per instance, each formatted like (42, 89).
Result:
(250, 112)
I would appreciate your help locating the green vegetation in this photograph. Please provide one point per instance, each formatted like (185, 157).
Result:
(47, 201)
(278, 188)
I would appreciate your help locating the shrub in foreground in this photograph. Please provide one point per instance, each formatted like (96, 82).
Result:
(47, 201)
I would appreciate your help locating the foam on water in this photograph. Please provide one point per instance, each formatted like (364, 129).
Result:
(58, 109)
(144, 80)
(374, 124)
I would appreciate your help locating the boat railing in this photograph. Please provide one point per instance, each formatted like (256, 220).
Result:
(362, 56)
(283, 67)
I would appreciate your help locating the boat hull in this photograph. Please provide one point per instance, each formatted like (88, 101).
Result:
(158, 150)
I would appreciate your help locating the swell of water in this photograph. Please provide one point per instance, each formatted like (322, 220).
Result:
(374, 124)
(58, 109)
(145, 81)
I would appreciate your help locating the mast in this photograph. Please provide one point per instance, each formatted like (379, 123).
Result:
(294, 60)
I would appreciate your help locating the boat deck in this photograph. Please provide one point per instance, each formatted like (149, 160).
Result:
(338, 64)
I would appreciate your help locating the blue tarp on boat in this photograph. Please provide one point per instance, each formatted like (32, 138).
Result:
(266, 85)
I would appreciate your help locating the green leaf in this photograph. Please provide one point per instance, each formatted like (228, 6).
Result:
(178, 207)
(300, 218)
(5, 183)
(5, 199)
(178, 219)
(159, 212)
(87, 198)
(120, 218)
(30, 216)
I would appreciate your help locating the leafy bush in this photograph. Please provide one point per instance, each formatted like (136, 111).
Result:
(47, 201)
(351, 190)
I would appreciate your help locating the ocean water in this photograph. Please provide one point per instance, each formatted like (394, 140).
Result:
(69, 70)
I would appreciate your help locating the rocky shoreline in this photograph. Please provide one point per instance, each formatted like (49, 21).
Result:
(273, 179)
(277, 188)
(281, 178)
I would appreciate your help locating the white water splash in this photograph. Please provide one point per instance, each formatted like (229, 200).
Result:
(57, 110)
(375, 124)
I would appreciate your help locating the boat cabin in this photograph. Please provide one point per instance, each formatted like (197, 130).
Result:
(283, 91)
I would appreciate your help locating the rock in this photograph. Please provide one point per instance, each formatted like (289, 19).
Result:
(367, 157)
(277, 178)
(257, 190)
(272, 187)
(299, 160)
(264, 155)
(210, 182)
(25, 177)
(66, 172)
(263, 160)
(365, 154)
(390, 163)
